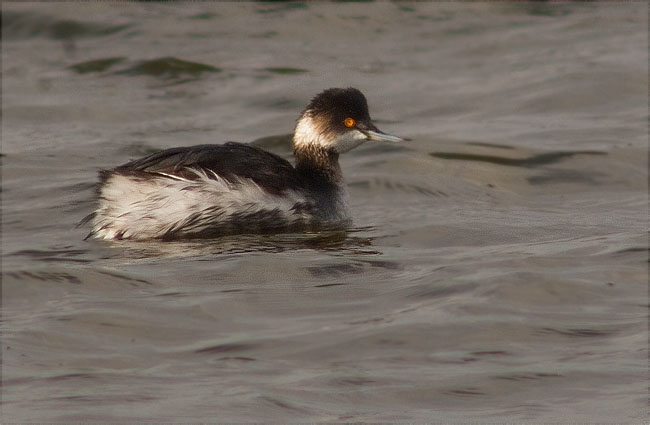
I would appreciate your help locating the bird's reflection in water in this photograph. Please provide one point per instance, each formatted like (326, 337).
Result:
(346, 241)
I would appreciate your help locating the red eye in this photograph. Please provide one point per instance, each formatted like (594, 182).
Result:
(349, 122)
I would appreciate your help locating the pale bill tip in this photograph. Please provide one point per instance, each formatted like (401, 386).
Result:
(383, 137)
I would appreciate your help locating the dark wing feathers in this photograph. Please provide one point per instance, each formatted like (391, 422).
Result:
(229, 161)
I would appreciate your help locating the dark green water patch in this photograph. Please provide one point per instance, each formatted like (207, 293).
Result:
(18, 25)
(444, 16)
(97, 65)
(65, 30)
(285, 70)
(529, 162)
(281, 7)
(405, 8)
(204, 16)
(168, 67)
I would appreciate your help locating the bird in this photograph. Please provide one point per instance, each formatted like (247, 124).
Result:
(235, 188)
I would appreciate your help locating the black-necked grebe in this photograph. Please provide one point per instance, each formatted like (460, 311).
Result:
(209, 190)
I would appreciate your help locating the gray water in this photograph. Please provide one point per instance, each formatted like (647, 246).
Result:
(496, 270)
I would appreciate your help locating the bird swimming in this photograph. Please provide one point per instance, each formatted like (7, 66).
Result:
(212, 190)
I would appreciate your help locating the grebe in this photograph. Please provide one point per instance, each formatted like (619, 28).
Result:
(211, 190)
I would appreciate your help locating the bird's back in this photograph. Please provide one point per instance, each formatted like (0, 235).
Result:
(230, 161)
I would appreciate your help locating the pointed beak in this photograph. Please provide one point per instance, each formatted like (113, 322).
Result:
(376, 135)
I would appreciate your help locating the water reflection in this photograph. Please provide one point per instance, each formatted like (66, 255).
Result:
(528, 162)
(344, 241)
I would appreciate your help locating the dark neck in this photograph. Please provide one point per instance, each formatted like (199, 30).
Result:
(318, 164)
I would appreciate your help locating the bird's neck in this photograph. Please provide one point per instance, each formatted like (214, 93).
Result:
(316, 159)
(318, 164)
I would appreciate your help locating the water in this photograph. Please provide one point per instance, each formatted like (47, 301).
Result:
(496, 271)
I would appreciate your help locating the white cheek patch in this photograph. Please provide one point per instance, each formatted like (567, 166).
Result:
(349, 140)
(308, 133)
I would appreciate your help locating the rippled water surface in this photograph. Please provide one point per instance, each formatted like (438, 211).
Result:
(496, 271)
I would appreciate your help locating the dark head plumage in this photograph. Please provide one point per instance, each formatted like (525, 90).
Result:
(334, 105)
(336, 120)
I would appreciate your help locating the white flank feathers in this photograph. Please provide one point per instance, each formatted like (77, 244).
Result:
(137, 208)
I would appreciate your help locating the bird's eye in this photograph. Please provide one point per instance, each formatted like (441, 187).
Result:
(349, 122)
